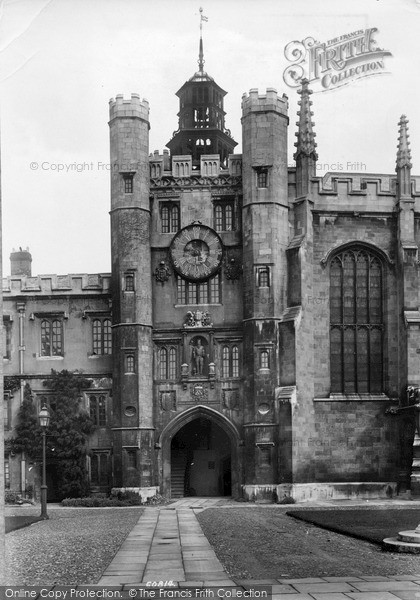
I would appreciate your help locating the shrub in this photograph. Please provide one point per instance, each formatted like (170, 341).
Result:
(98, 501)
(12, 497)
(287, 500)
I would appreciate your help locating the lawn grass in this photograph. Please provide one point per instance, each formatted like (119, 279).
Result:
(371, 525)
(17, 522)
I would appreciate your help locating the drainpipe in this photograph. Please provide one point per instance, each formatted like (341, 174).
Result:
(21, 310)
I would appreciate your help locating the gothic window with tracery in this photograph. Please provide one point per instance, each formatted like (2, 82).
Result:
(356, 322)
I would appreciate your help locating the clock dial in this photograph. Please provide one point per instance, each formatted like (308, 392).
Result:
(196, 252)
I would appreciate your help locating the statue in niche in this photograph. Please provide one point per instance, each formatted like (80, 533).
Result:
(198, 357)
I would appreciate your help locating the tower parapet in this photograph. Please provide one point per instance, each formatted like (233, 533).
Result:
(268, 102)
(129, 107)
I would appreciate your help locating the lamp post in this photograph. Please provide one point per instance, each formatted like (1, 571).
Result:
(44, 421)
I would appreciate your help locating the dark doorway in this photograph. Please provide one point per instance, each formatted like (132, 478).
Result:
(200, 460)
(52, 480)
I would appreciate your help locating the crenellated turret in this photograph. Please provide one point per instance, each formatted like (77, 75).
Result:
(265, 238)
(131, 292)
(305, 155)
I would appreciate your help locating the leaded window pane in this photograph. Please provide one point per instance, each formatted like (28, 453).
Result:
(348, 287)
(218, 218)
(336, 291)
(97, 336)
(356, 313)
(336, 349)
(101, 411)
(215, 290)
(172, 364)
(181, 291)
(57, 338)
(130, 363)
(235, 361)
(45, 338)
(165, 219)
(107, 336)
(174, 219)
(129, 283)
(228, 217)
(163, 358)
(225, 361)
(264, 364)
(93, 407)
(349, 361)
(263, 277)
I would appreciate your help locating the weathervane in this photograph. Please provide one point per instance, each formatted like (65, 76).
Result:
(201, 53)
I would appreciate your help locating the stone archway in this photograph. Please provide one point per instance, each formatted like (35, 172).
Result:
(220, 454)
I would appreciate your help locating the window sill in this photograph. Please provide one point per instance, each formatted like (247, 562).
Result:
(201, 304)
(356, 398)
(50, 357)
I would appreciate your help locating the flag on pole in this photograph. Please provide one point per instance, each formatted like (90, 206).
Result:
(202, 17)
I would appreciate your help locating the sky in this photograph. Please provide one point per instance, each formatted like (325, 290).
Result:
(62, 60)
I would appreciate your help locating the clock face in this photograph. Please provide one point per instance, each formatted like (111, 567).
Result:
(196, 252)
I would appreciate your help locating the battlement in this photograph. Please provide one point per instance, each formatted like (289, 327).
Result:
(132, 107)
(83, 283)
(268, 102)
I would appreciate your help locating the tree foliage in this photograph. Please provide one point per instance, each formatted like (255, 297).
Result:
(67, 433)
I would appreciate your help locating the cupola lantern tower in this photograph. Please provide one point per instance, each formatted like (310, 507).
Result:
(201, 118)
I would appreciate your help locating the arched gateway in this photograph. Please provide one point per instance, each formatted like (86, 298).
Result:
(200, 455)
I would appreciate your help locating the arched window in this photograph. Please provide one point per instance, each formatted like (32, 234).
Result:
(263, 276)
(264, 360)
(129, 363)
(129, 282)
(356, 322)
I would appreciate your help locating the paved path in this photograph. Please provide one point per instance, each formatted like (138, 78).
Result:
(168, 545)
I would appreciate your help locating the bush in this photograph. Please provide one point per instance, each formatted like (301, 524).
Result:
(287, 500)
(128, 497)
(12, 497)
(117, 498)
(97, 501)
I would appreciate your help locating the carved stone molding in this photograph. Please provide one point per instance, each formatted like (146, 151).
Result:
(162, 272)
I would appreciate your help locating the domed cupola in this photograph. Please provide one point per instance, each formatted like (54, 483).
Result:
(201, 118)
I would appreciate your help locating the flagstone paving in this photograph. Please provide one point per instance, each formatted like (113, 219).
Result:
(168, 547)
